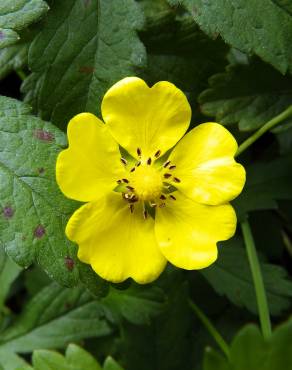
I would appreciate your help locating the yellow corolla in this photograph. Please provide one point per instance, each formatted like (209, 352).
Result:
(148, 205)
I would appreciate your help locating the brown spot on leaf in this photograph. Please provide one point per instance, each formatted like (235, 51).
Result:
(8, 212)
(69, 263)
(44, 135)
(86, 69)
(39, 231)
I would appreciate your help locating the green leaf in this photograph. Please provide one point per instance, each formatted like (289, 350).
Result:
(230, 276)
(72, 70)
(266, 183)
(16, 15)
(12, 58)
(55, 317)
(76, 359)
(34, 211)
(214, 360)
(9, 271)
(136, 304)
(11, 361)
(111, 364)
(260, 27)
(249, 95)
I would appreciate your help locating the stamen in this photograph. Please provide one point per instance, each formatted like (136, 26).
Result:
(139, 152)
(172, 167)
(124, 161)
(175, 179)
(152, 205)
(162, 197)
(138, 164)
(167, 175)
(149, 161)
(132, 208)
(157, 154)
(133, 169)
(162, 205)
(172, 197)
(119, 181)
(166, 164)
(130, 188)
(125, 181)
(132, 198)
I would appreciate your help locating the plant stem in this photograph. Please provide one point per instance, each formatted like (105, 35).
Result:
(257, 280)
(21, 74)
(266, 127)
(211, 328)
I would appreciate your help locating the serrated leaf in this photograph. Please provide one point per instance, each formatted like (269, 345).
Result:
(55, 317)
(72, 70)
(76, 359)
(266, 183)
(16, 15)
(136, 304)
(230, 276)
(260, 27)
(249, 95)
(33, 210)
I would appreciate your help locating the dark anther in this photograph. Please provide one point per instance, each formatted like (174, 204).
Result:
(139, 152)
(162, 197)
(172, 167)
(157, 154)
(132, 208)
(138, 164)
(167, 175)
(149, 161)
(130, 188)
(162, 205)
(133, 169)
(166, 164)
(145, 214)
(124, 161)
(125, 181)
(175, 179)
(172, 197)
(132, 198)
(119, 181)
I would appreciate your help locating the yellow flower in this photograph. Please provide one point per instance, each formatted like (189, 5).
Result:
(155, 207)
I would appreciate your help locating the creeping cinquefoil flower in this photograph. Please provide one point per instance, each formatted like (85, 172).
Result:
(152, 207)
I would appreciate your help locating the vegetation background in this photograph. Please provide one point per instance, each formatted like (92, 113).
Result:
(233, 60)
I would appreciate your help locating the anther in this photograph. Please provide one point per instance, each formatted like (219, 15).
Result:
(152, 204)
(132, 208)
(149, 161)
(162, 197)
(139, 152)
(172, 167)
(130, 188)
(162, 205)
(157, 154)
(132, 198)
(119, 181)
(166, 164)
(138, 164)
(175, 179)
(125, 181)
(124, 161)
(172, 197)
(167, 175)
(133, 169)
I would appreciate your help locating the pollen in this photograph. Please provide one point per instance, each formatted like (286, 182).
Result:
(147, 182)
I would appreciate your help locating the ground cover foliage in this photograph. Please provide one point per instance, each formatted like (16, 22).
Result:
(233, 60)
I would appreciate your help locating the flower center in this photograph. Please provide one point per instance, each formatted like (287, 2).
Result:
(147, 182)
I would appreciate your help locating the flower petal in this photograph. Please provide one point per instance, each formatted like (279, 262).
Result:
(117, 243)
(91, 166)
(187, 232)
(151, 119)
(205, 164)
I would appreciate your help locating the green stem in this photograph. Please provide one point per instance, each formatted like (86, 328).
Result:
(257, 280)
(266, 127)
(21, 74)
(211, 328)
